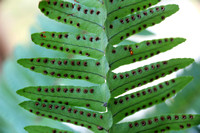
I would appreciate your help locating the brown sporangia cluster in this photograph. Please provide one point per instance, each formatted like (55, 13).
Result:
(64, 62)
(67, 111)
(146, 92)
(163, 119)
(140, 71)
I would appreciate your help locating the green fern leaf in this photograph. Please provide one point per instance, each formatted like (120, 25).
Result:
(158, 124)
(44, 129)
(132, 103)
(89, 70)
(131, 53)
(122, 82)
(93, 97)
(87, 44)
(95, 121)
(122, 28)
(118, 9)
(87, 18)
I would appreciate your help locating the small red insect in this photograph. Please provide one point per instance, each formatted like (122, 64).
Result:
(131, 52)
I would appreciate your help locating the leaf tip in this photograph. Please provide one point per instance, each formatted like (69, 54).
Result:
(20, 61)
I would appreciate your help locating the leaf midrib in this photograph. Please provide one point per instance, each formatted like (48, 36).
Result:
(67, 70)
(136, 54)
(142, 77)
(65, 97)
(71, 118)
(124, 7)
(73, 45)
(163, 124)
(133, 26)
(76, 17)
(161, 92)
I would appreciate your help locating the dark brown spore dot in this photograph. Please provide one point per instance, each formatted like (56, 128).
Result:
(63, 107)
(188, 125)
(87, 105)
(101, 117)
(72, 90)
(132, 111)
(144, 93)
(183, 116)
(85, 91)
(58, 89)
(140, 70)
(69, 110)
(191, 116)
(85, 63)
(32, 68)
(97, 39)
(50, 106)
(88, 115)
(89, 127)
(149, 122)
(156, 119)
(126, 114)
(98, 63)
(45, 72)
(111, 26)
(91, 90)
(87, 54)
(59, 17)
(169, 117)
(121, 101)
(127, 75)
(59, 62)
(150, 91)
(130, 125)
(113, 51)
(81, 112)
(98, 12)
(163, 17)
(52, 90)
(136, 124)
(162, 118)
(143, 123)
(85, 11)
(134, 72)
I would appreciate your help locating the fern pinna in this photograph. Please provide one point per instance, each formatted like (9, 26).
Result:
(103, 27)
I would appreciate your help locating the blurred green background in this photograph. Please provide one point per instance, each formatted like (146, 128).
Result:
(18, 19)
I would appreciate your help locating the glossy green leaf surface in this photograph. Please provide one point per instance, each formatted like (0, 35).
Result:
(90, 97)
(158, 124)
(122, 82)
(122, 8)
(87, 18)
(85, 44)
(131, 53)
(93, 120)
(44, 129)
(129, 104)
(122, 28)
(89, 69)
